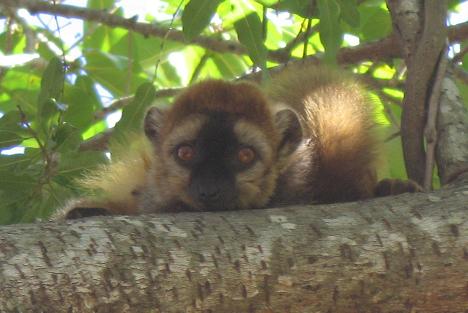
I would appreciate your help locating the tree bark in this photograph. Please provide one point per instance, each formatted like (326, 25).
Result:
(421, 28)
(396, 254)
(452, 128)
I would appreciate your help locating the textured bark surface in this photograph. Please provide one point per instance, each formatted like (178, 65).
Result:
(421, 27)
(452, 128)
(400, 254)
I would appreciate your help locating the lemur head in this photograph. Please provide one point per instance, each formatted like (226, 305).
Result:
(220, 146)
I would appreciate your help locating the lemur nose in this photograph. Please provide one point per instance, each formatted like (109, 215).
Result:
(209, 193)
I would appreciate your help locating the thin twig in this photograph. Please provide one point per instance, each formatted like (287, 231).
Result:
(430, 131)
(45, 154)
(393, 136)
(120, 103)
(199, 67)
(306, 38)
(167, 34)
(388, 111)
(459, 56)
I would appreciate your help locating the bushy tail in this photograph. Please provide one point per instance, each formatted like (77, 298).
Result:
(337, 117)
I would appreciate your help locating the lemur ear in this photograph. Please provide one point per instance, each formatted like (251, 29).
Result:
(290, 130)
(152, 124)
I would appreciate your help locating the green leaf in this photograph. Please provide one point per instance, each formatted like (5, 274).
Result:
(45, 51)
(82, 101)
(112, 72)
(100, 4)
(21, 78)
(299, 7)
(52, 80)
(14, 39)
(169, 74)
(375, 23)
(74, 164)
(102, 38)
(67, 138)
(267, 3)
(394, 165)
(197, 15)
(454, 5)
(331, 34)
(51, 90)
(464, 45)
(13, 186)
(463, 88)
(132, 114)
(349, 12)
(250, 34)
(229, 65)
(10, 129)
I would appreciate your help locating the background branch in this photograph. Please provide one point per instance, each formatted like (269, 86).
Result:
(422, 34)
(380, 50)
(452, 127)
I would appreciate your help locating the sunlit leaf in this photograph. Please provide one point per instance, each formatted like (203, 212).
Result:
(112, 71)
(299, 7)
(375, 22)
(67, 138)
(229, 65)
(102, 37)
(250, 34)
(349, 12)
(51, 90)
(330, 31)
(82, 102)
(10, 129)
(100, 4)
(197, 15)
(73, 164)
(132, 114)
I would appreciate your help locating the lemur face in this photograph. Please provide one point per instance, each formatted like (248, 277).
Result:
(219, 147)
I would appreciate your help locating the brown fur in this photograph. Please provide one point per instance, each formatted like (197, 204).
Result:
(240, 99)
(254, 123)
(337, 162)
(330, 158)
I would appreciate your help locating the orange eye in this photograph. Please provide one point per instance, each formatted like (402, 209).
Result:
(186, 152)
(245, 155)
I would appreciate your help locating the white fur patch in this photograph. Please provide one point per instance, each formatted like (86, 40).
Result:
(251, 135)
(186, 130)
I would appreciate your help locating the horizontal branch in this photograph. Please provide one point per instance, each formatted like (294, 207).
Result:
(398, 254)
(146, 29)
(379, 50)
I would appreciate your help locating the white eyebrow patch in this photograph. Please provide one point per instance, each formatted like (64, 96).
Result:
(186, 130)
(250, 135)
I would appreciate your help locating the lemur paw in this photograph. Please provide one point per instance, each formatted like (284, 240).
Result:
(86, 212)
(388, 187)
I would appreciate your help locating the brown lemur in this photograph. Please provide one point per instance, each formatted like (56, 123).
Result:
(308, 137)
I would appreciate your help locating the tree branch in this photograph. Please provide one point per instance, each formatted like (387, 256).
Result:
(146, 29)
(380, 50)
(452, 126)
(394, 254)
(422, 34)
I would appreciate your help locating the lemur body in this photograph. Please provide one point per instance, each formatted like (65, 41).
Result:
(308, 138)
